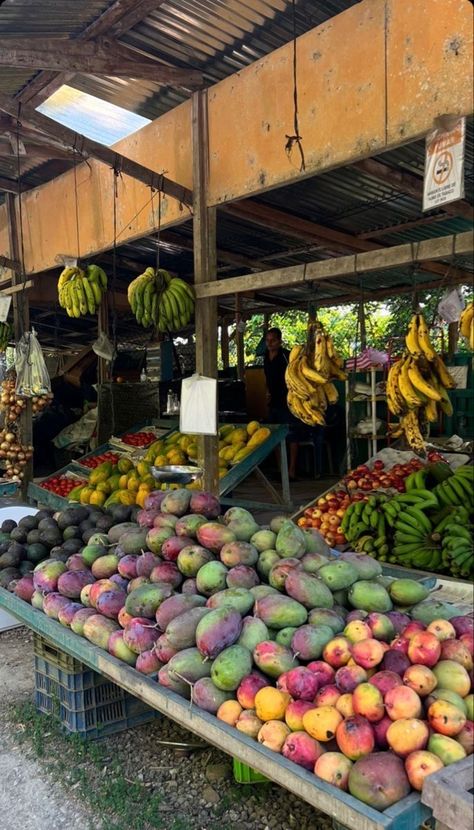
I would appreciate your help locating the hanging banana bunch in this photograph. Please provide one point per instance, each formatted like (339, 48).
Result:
(417, 386)
(466, 325)
(6, 334)
(80, 291)
(160, 300)
(311, 368)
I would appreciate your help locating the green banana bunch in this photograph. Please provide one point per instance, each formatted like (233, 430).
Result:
(6, 334)
(160, 300)
(80, 292)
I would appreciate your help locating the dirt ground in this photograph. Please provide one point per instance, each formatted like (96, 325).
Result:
(134, 780)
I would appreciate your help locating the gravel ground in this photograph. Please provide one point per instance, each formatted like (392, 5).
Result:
(193, 791)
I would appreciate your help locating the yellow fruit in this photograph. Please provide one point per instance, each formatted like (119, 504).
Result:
(259, 437)
(270, 703)
(97, 498)
(223, 453)
(241, 454)
(193, 452)
(160, 461)
(114, 482)
(222, 444)
(252, 427)
(126, 497)
(223, 472)
(123, 481)
(238, 436)
(103, 487)
(133, 484)
(321, 723)
(147, 481)
(225, 430)
(174, 437)
(124, 465)
(86, 493)
(143, 468)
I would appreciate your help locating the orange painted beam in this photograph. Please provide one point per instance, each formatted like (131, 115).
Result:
(374, 77)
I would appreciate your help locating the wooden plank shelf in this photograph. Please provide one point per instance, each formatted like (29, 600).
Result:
(345, 810)
(448, 793)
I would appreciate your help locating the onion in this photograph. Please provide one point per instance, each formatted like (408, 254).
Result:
(10, 437)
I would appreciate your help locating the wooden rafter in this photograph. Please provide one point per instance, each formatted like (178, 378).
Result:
(85, 147)
(8, 185)
(118, 18)
(99, 61)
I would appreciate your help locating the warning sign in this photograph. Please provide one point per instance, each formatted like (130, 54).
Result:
(444, 166)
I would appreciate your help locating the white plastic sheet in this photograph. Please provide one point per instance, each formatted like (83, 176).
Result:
(451, 306)
(198, 408)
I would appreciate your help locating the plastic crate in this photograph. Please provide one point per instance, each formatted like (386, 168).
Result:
(85, 703)
(54, 656)
(244, 774)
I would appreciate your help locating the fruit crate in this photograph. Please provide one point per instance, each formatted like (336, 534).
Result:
(244, 774)
(52, 657)
(38, 495)
(83, 701)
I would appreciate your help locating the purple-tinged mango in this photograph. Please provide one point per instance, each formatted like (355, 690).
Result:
(146, 518)
(338, 575)
(273, 659)
(211, 578)
(127, 566)
(92, 552)
(167, 572)
(189, 665)
(379, 780)
(315, 543)
(156, 537)
(176, 502)
(208, 697)
(217, 630)
(75, 562)
(237, 514)
(24, 588)
(242, 576)
(120, 581)
(280, 611)
(261, 591)
(254, 631)
(165, 520)
(243, 530)
(134, 541)
(279, 572)
(117, 531)
(302, 749)
(181, 631)
(189, 525)
(144, 601)
(230, 667)
(163, 649)
(205, 504)
(290, 541)
(145, 564)
(53, 603)
(302, 683)
(214, 536)
(96, 589)
(119, 649)
(97, 629)
(307, 589)
(46, 575)
(189, 586)
(173, 683)
(137, 583)
(308, 641)
(79, 619)
(171, 548)
(105, 566)
(381, 626)
(238, 553)
(67, 612)
(154, 499)
(366, 566)
(327, 616)
(192, 558)
(71, 583)
(110, 603)
(140, 635)
(238, 598)
(148, 663)
(37, 599)
(312, 562)
(175, 606)
(285, 635)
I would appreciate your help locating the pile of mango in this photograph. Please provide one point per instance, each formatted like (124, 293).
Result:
(129, 483)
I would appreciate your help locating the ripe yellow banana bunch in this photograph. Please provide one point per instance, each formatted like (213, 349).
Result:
(160, 300)
(310, 369)
(466, 324)
(417, 384)
(80, 291)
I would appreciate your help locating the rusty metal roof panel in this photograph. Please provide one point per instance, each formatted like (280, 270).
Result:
(47, 18)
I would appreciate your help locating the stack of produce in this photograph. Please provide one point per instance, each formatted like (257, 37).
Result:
(428, 527)
(12, 404)
(96, 460)
(358, 677)
(13, 454)
(311, 369)
(160, 300)
(417, 385)
(6, 334)
(63, 485)
(466, 325)
(80, 291)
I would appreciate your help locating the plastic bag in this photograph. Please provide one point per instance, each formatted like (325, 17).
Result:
(78, 433)
(198, 410)
(451, 306)
(32, 376)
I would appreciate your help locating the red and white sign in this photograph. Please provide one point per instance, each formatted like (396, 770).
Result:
(444, 166)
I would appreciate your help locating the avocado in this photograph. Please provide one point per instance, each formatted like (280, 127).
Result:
(26, 567)
(6, 576)
(94, 515)
(71, 532)
(28, 522)
(72, 545)
(33, 537)
(86, 525)
(88, 534)
(119, 512)
(8, 525)
(44, 514)
(10, 559)
(19, 534)
(71, 516)
(47, 523)
(4, 546)
(50, 537)
(104, 523)
(37, 552)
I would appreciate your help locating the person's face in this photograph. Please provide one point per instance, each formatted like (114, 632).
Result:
(272, 341)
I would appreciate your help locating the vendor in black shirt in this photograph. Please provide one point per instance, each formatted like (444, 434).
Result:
(274, 365)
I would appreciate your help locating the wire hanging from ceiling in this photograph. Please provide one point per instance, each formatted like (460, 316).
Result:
(297, 139)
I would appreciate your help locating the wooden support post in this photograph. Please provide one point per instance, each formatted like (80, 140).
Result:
(205, 270)
(103, 367)
(224, 344)
(21, 323)
(453, 335)
(239, 340)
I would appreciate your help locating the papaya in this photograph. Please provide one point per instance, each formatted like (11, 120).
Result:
(241, 454)
(123, 481)
(252, 427)
(259, 437)
(126, 497)
(75, 494)
(124, 465)
(86, 494)
(98, 498)
(113, 482)
(225, 430)
(101, 473)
